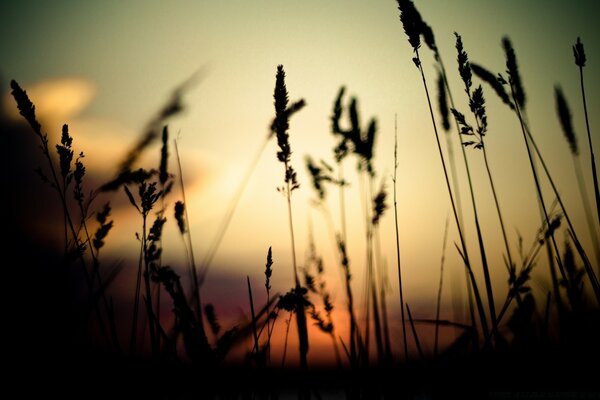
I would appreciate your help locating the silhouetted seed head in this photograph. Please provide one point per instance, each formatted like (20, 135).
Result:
(362, 141)
(65, 139)
(429, 38)
(579, 53)
(319, 176)
(463, 64)
(309, 281)
(476, 99)
(281, 125)
(180, 216)
(282, 115)
(477, 105)
(337, 112)
(155, 232)
(379, 205)
(281, 118)
(465, 128)
(513, 72)
(164, 156)
(564, 115)
(65, 153)
(128, 177)
(25, 106)
(493, 81)
(554, 225)
(268, 269)
(370, 139)
(173, 106)
(443, 102)
(292, 299)
(354, 122)
(101, 234)
(411, 22)
(104, 227)
(324, 326)
(341, 150)
(131, 198)
(148, 195)
(344, 255)
(211, 317)
(78, 175)
(104, 214)
(327, 304)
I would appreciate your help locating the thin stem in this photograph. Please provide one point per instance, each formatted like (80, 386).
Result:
(541, 201)
(404, 342)
(586, 206)
(291, 225)
(368, 271)
(342, 199)
(470, 183)
(373, 284)
(149, 307)
(300, 315)
(196, 286)
(235, 200)
(96, 274)
(497, 203)
(414, 331)
(439, 296)
(132, 345)
(255, 334)
(586, 261)
(460, 233)
(287, 333)
(593, 158)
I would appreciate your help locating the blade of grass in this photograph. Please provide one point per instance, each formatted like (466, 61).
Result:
(254, 331)
(439, 296)
(404, 342)
(414, 332)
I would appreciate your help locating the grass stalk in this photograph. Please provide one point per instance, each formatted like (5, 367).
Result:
(477, 107)
(372, 276)
(231, 208)
(586, 261)
(415, 335)
(404, 341)
(136, 304)
(540, 197)
(465, 255)
(580, 60)
(439, 296)
(195, 293)
(254, 330)
(280, 126)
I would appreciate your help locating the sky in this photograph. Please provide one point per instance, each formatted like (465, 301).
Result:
(106, 68)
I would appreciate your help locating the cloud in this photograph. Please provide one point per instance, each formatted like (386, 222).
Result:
(56, 100)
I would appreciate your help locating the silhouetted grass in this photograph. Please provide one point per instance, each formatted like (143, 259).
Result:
(175, 357)
(413, 27)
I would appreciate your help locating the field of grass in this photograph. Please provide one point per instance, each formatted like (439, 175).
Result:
(67, 335)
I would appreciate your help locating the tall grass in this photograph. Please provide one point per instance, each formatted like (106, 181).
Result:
(564, 115)
(413, 27)
(283, 112)
(403, 319)
(580, 60)
(517, 332)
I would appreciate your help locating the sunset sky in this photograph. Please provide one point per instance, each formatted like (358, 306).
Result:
(106, 67)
